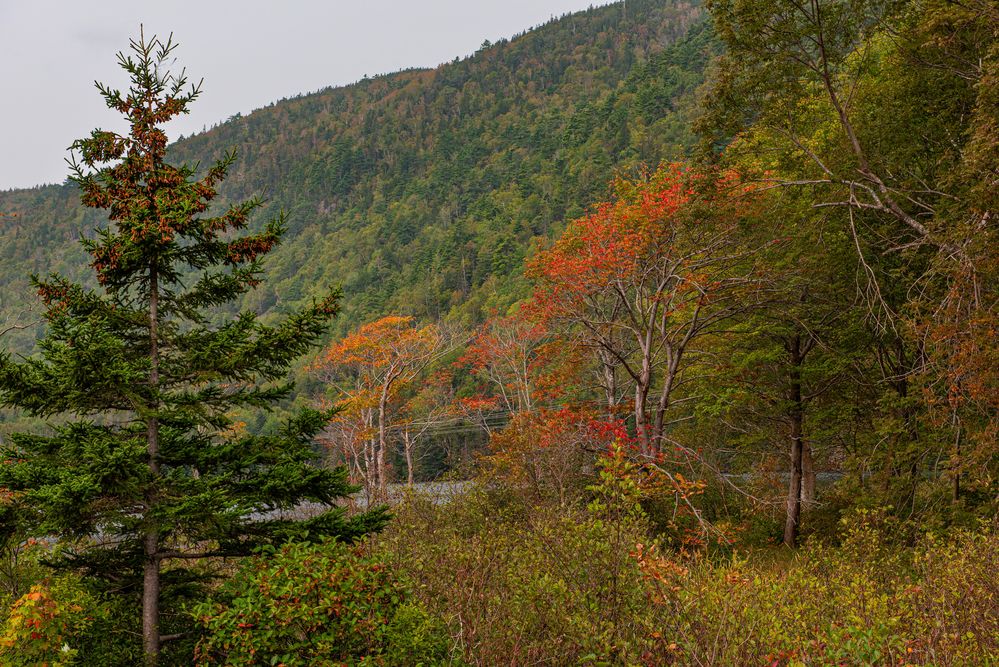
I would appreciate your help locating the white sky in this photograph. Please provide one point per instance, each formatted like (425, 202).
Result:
(249, 52)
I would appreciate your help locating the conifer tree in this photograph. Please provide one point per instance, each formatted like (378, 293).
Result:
(141, 473)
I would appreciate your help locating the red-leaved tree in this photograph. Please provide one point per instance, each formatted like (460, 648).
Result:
(644, 279)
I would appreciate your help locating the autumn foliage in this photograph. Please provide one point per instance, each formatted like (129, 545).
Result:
(644, 279)
(44, 626)
(609, 245)
(520, 364)
(370, 369)
(548, 454)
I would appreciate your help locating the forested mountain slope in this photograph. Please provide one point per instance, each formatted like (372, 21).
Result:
(422, 191)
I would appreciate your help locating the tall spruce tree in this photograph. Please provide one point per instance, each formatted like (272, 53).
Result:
(141, 472)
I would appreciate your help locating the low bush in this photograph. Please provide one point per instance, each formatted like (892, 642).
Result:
(866, 602)
(318, 605)
(523, 584)
(42, 627)
(589, 586)
(489, 577)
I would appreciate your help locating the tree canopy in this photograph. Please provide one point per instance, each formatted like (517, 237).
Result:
(141, 471)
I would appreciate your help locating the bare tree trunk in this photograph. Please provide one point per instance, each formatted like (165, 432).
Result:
(793, 519)
(370, 445)
(808, 474)
(641, 405)
(641, 424)
(609, 376)
(672, 368)
(407, 442)
(371, 472)
(796, 413)
(957, 463)
(358, 470)
(382, 444)
(151, 567)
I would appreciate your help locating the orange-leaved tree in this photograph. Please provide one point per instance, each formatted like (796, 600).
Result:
(520, 363)
(547, 454)
(370, 369)
(645, 278)
(504, 352)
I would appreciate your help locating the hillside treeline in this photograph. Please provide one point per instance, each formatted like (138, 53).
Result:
(689, 313)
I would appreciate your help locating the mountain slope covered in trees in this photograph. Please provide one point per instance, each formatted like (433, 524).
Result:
(736, 409)
(423, 191)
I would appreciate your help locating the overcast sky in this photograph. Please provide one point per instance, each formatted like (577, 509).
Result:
(249, 52)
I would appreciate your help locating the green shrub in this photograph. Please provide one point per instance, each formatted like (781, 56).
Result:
(865, 602)
(956, 594)
(568, 585)
(547, 585)
(318, 605)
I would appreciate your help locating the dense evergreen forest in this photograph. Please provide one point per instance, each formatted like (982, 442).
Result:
(412, 190)
(662, 333)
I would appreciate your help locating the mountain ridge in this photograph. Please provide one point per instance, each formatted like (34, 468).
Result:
(421, 191)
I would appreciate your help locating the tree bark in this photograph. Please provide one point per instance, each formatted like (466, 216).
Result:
(370, 444)
(609, 377)
(665, 395)
(957, 465)
(641, 406)
(796, 411)
(151, 568)
(807, 474)
(382, 444)
(408, 448)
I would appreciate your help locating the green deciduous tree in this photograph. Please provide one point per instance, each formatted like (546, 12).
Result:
(141, 472)
(883, 115)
